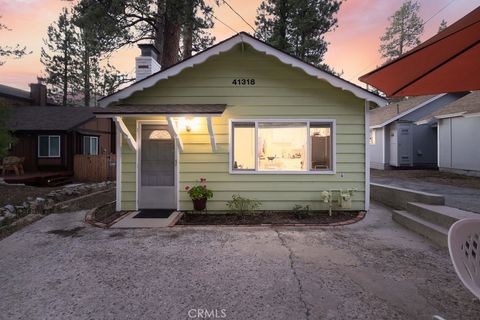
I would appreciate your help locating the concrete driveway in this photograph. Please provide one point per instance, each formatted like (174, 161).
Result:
(58, 268)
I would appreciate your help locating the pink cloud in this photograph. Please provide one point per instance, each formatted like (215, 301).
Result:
(353, 49)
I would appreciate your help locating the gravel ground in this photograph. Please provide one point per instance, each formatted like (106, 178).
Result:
(460, 193)
(60, 268)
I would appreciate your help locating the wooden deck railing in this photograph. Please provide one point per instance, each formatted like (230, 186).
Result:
(94, 168)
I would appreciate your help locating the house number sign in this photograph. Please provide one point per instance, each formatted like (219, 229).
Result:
(243, 82)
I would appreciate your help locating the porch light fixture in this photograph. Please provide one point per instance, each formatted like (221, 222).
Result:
(188, 124)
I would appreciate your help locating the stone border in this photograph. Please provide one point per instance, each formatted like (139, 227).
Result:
(64, 206)
(90, 213)
(361, 215)
(174, 222)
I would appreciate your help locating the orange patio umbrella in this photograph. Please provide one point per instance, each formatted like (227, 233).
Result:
(447, 62)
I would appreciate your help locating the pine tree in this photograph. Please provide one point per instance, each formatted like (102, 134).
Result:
(403, 32)
(73, 57)
(298, 26)
(443, 25)
(59, 58)
(197, 20)
(7, 51)
(166, 23)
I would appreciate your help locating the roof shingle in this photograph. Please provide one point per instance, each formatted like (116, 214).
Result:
(466, 105)
(381, 115)
(33, 118)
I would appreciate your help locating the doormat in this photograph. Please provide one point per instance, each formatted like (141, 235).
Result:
(154, 213)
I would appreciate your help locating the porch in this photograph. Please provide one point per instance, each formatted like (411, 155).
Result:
(149, 143)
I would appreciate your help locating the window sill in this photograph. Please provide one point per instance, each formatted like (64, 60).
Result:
(331, 172)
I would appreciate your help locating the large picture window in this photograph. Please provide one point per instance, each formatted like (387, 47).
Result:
(90, 145)
(282, 146)
(49, 146)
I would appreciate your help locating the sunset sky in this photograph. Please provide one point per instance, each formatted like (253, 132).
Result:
(353, 49)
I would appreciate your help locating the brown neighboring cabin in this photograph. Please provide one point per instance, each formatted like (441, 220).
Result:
(49, 136)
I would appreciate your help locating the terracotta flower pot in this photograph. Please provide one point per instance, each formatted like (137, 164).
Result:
(199, 204)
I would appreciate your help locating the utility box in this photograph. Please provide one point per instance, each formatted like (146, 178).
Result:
(345, 200)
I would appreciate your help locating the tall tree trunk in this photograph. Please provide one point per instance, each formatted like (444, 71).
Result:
(65, 78)
(160, 29)
(188, 30)
(282, 28)
(171, 45)
(86, 79)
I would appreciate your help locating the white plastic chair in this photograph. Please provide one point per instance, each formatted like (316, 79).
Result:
(464, 248)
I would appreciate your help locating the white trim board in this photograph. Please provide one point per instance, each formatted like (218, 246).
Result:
(226, 45)
(122, 128)
(400, 115)
(367, 158)
(118, 191)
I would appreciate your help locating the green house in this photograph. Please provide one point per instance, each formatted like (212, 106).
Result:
(251, 120)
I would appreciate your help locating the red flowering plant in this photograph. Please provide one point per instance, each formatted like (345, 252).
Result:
(200, 191)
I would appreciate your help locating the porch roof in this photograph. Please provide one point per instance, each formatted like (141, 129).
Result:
(163, 109)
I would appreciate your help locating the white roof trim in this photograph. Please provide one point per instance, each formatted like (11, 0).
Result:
(422, 122)
(451, 115)
(228, 45)
(472, 115)
(401, 115)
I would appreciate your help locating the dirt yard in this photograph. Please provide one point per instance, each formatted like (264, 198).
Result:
(15, 195)
(432, 176)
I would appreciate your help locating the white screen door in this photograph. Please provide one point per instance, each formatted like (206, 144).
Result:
(157, 178)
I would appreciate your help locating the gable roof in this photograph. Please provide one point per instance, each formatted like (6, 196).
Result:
(467, 105)
(380, 117)
(53, 118)
(258, 45)
(14, 92)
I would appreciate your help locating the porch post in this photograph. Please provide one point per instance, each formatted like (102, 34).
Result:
(212, 134)
(176, 135)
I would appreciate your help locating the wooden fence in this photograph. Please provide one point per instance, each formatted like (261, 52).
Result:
(94, 168)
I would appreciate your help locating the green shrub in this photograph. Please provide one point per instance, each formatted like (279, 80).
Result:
(243, 206)
(300, 211)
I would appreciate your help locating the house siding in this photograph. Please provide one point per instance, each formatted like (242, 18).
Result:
(280, 92)
(459, 145)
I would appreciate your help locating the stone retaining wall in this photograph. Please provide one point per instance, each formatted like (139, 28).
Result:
(66, 199)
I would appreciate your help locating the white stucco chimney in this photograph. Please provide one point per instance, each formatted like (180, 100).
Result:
(146, 64)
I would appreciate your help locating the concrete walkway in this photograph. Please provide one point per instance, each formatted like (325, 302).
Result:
(457, 197)
(60, 268)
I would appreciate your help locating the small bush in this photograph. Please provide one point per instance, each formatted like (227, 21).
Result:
(243, 206)
(300, 211)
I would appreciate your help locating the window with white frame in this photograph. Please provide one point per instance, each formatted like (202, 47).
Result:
(282, 146)
(90, 145)
(48, 146)
(372, 136)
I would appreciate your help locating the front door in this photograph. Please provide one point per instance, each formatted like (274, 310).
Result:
(157, 176)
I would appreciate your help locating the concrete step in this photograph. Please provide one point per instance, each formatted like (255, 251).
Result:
(398, 198)
(442, 216)
(430, 230)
